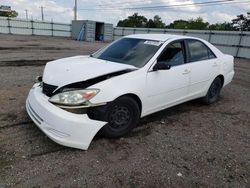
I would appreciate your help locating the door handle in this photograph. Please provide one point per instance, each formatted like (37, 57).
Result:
(186, 71)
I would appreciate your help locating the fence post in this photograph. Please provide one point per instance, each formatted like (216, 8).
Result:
(123, 31)
(239, 43)
(9, 26)
(52, 29)
(32, 27)
(184, 32)
(209, 35)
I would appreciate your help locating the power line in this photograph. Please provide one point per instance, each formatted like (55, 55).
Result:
(140, 2)
(129, 2)
(168, 6)
(208, 3)
(225, 3)
(181, 5)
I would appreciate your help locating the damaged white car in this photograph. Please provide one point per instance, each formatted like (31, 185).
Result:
(132, 77)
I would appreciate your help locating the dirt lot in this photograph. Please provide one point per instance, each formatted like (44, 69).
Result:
(190, 145)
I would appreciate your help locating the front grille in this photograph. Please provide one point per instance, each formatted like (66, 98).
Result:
(48, 89)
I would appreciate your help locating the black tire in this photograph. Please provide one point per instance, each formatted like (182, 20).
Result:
(213, 93)
(122, 116)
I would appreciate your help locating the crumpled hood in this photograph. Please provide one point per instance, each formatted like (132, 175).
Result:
(79, 68)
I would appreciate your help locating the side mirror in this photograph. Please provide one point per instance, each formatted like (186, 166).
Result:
(161, 65)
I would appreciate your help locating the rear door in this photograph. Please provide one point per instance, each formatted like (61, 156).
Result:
(203, 64)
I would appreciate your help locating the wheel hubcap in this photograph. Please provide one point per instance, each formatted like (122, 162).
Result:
(119, 117)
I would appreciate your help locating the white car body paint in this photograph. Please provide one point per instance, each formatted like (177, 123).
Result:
(63, 127)
(182, 83)
(79, 68)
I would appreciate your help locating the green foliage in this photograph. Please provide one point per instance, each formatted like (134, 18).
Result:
(140, 21)
(226, 26)
(158, 22)
(242, 22)
(133, 21)
(179, 24)
(197, 23)
(12, 14)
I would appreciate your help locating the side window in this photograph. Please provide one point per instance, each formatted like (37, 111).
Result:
(173, 54)
(198, 51)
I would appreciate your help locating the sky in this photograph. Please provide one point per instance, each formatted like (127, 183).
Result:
(62, 10)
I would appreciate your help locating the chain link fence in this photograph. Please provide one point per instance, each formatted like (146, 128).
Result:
(34, 27)
(235, 43)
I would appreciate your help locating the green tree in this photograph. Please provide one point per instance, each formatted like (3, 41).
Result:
(12, 14)
(179, 24)
(133, 21)
(150, 24)
(226, 26)
(155, 23)
(158, 22)
(198, 23)
(242, 22)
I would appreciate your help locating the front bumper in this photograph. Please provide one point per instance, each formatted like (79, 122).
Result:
(65, 128)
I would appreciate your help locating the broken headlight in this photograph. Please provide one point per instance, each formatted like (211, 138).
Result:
(74, 98)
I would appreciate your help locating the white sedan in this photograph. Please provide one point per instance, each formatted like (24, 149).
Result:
(110, 90)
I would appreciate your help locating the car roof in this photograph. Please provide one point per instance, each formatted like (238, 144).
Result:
(158, 37)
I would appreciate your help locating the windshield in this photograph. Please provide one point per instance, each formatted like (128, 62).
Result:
(130, 51)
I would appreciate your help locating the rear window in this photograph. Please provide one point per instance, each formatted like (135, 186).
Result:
(199, 51)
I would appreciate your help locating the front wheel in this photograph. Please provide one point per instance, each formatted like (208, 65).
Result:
(213, 92)
(122, 116)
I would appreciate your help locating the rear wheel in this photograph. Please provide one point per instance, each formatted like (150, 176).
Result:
(213, 91)
(122, 116)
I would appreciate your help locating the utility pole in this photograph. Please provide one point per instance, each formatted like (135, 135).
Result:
(75, 10)
(26, 11)
(42, 12)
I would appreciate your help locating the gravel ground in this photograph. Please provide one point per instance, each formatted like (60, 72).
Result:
(189, 145)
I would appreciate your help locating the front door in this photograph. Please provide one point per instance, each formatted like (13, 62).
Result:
(165, 88)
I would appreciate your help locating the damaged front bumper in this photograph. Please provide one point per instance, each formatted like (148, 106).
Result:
(63, 127)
